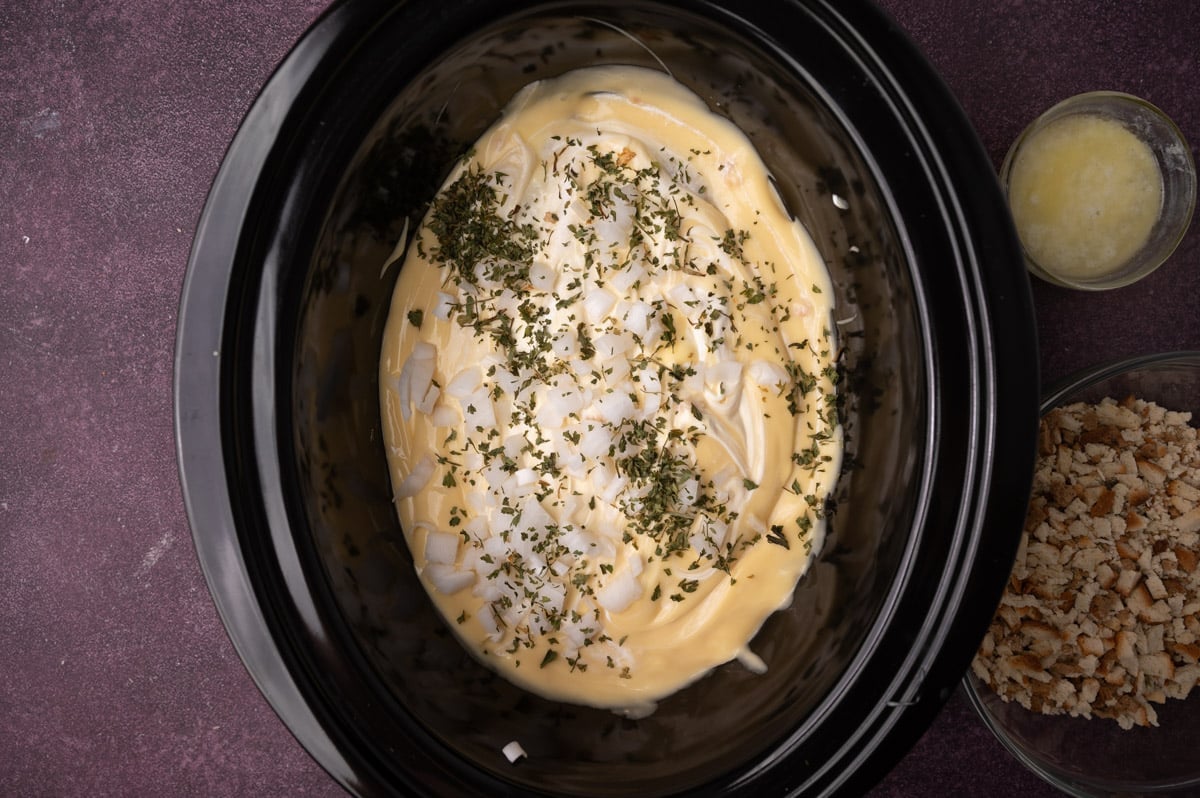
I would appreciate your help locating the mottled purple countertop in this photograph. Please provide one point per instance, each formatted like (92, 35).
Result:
(116, 677)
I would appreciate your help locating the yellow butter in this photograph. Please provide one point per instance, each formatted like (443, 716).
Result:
(1085, 193)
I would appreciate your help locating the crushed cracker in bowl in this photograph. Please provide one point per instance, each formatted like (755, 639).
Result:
(1101, 615)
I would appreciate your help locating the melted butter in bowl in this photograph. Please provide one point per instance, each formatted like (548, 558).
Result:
(1102, 188)
(607, 385)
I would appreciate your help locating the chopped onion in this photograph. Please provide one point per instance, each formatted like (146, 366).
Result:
(416, 377)
(624, 279)
(508, 382)
(444, 416)
(441, 547)
(612, 488)
(445, 304)
(427, 403)
(637, 318)
(542, 276)
(610, 345)
(565, 344)
(417, 478)
(620, 592)
(487, 620)
(478, 411)
(477, 527)
(448, 579)
(464, 382)
(650, 393)
(597, 304)
(513, 751)
(614, 407)
(767, 374)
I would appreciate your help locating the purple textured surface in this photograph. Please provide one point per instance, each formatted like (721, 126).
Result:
(116, 677)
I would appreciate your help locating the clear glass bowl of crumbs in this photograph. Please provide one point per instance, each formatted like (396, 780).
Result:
(1112, 630)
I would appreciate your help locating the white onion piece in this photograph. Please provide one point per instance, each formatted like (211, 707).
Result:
(526, 477)
(614, 407)
(464, 382)
(534, 517)
(613, 488)
(478, 411)
(637, 318)
(610, 345)
(565, 344)
(566, 393)
(488, 621)
(689, 492)
(650, 392)
(441, 547)
(616, 371)
(597, 304)
(494, 474)
(417, 478)
(625, 279)
(448, 579)
(578, 542)
(513, 751)
(427, 403)
(416, 377)
(570, 461)
(684, 299)
(476, 527)
(508, 382)
(767, 374)
(445, 304)
(613, 230)
(542, 276)
(489, 591)
(444, 416)
(620, 592)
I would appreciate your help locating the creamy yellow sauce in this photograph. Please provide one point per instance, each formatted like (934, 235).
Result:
(607, 386)
(1085, 193)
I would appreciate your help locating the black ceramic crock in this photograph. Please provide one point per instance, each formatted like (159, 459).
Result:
(278, 424)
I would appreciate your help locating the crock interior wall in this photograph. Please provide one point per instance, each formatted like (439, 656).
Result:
(332, 378)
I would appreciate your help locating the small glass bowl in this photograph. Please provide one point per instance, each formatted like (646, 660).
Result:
(1175, 164)
(1096, 757)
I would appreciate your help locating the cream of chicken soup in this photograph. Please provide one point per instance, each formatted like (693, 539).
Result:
(608, 392)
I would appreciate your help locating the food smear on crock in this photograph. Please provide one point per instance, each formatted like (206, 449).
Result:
(608, 392)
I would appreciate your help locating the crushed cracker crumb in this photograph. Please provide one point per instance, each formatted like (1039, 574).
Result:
(1100, 614)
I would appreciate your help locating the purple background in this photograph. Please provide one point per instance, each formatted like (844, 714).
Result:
(116, 677)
